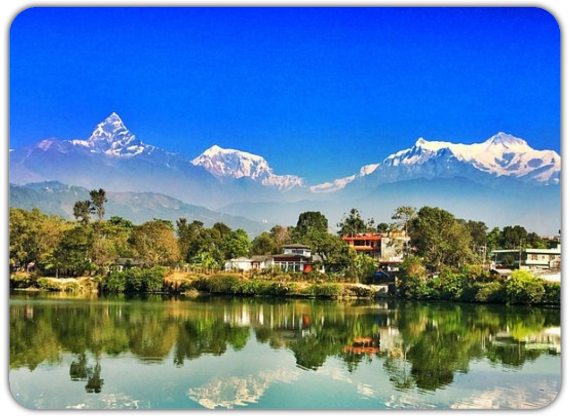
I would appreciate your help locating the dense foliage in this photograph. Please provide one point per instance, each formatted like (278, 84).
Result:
(443, 255)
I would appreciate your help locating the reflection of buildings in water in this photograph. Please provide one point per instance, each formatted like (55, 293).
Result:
(274, 318)
(386, 340)
(548, 339)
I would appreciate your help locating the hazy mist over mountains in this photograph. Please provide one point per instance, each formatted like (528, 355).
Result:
(502, 181)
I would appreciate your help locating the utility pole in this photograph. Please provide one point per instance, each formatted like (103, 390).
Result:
(520, 253)
(483, 250)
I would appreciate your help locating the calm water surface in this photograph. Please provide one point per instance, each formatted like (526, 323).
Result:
(71, 352)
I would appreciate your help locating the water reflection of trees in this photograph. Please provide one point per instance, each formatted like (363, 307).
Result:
(420, 345)
(82, 370)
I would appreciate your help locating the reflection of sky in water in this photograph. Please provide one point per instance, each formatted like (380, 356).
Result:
(261, 377)
(235, 391)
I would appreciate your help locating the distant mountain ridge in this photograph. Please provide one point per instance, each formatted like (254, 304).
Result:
(56, 198)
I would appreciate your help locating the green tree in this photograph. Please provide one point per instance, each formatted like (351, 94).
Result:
(310, 222)
(33, 237)
(121, 222)
(524, 287)
(493, 239)
(513, 237)
(440, 238)
(281, 235)
(82, 211)
(363, 265)
(334, 252)
(72, 255)
(477, 231)
(154, 241)
(98, 200)
(383, 227)
(352, 223)
(403, 217)
(264, 244)
(188, 234)
(116, 232)
(235, 244)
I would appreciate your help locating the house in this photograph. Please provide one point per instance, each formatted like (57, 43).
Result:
(387, 248)
(528, 258)
(122, 263)
(368, 243)
(245, 264)
(294, 258)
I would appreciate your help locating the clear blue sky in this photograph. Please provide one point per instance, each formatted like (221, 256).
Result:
(318, 92)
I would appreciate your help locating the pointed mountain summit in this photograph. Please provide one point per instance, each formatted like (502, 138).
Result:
(237, 164)
(109, 129)
(505, 140)
(112, 138)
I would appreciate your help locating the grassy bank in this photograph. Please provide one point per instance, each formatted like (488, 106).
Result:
(160, 280)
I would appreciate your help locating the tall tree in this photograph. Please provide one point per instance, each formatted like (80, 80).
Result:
(98, 200)
(440, 239)
(73, 254)
(352, 223)
(82, 211)
(187, 234)
(34, 236)
(334, 253)
(403, 216)
(281, 235)
(264, 244)
(154, 241)
(235, 244)
(513, 237)
(308, 222)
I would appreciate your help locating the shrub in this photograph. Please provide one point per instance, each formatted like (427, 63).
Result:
(116, 282)
(551, 293)
(21, 280)
(492, 292)
(48, 284)
(414, 287)
(452, 286)
(70, 287)
(153, 279)
(222, 284)
(360, 291)
(325, 289)
(523, 287)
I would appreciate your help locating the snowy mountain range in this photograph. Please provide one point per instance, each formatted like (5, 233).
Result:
(237, 164)
(113, 158)
(501, 156)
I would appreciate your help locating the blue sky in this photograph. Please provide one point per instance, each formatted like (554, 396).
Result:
(318, 92)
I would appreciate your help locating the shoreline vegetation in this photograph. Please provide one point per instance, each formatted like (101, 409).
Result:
(521, 288)
(438, 257)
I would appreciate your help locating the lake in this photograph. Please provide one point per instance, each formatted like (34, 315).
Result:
(175, 352)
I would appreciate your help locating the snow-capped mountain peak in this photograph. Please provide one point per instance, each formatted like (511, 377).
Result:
(112, 138)
(237, 164)
(502, 155)
(505, 140)
(109, 130)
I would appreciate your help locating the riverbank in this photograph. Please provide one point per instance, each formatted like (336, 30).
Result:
(199, 284)
(520, 288)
